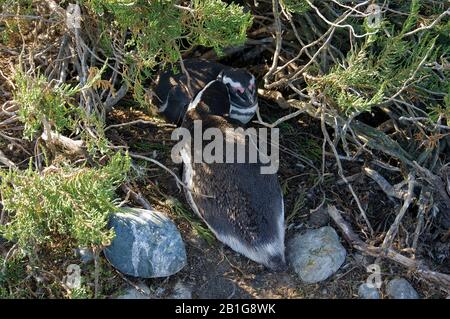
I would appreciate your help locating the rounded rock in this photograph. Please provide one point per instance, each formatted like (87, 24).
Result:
(140, 292)
(181, 291)
(85, 254)
(317, 254)
(147, 244)
(368, 292)
(400, 288)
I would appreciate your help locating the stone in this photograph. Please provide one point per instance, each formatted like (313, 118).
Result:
(400, 288)
(367, 292)
(147, 244)
(85, 254)
(132, 293)
(317, 254)
(181, 291)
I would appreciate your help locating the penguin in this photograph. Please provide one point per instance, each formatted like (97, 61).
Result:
(172, 95)
(242, 207)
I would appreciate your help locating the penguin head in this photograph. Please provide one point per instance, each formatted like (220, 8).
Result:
(213, 99)
(243, 93)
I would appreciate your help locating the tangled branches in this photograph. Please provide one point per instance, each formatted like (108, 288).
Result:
(338, 62)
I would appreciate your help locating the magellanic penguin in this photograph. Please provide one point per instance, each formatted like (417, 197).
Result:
(242, 207)
(172, 96)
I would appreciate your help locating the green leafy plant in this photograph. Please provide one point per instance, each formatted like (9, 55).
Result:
(61, 205)
(9, 8)
(12, 276)
(383, 66)
(296, 6)
(160, 31)
(39, 101)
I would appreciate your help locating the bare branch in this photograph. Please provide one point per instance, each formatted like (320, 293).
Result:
(392, 232)
(412, 264)
(278, 41)
(6, 161)
(439, 18)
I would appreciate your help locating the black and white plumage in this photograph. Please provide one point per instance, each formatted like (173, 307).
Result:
(172, 95)
(242, 207)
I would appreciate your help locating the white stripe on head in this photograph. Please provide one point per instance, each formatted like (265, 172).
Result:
(233, 84)
(197, 99)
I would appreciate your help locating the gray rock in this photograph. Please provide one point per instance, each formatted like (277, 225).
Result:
(85, 254)
(400, 288)
(367, 292)
(132, 293)
(181, 291)
(316, 254)
(147, 244)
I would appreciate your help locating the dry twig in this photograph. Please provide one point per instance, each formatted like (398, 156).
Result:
(443, 280)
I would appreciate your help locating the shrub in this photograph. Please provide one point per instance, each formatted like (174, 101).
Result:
(39, 101)
(61, 205)
(158, 32)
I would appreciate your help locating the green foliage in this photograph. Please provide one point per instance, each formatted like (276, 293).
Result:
(12, 276)
(412, 17)
(299, 206)
(160, 31)
(441, 112)
(382, 66)
(38, 101)
(81, 293)
(159, 27)
(309, 148)
(12, 7)
(296, 6)
(219, 25)
(341, 84)
(61, 205)
(41, 102)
